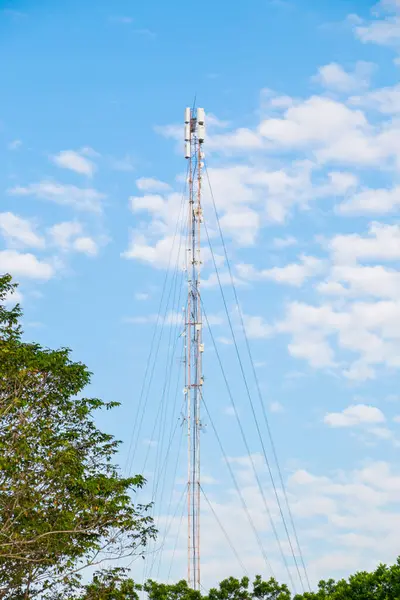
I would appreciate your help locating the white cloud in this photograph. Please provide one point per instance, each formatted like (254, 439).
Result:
(273, 193)
(336, 537)
(24, 265)
(349, 278)
(293, 274)
(342, 182)
(276, 407)
(74, 161)
(369, 331)
(239, 140)
(68, 236)
(13, 298)
(164, 211)
(383, 31)
(141, 296)
(382, 433)
(86, 245)
(256, 327)
(224, 279)
(127, 163)
(317, 120)
(149, 184)
(152, 203)
(257, 195)
(85, 199)
(361, 281)
(284, 242)
(270, 100)
(15, 144)
(359, 371)
(166, 252)
(214, 123)
(368, 535)
(372, 201)
(343, 334)
(332, 132)
(334, 77)
(357, 414)
(225, 341)
(151, 443)
(19, 232)
(386, 100)
(62, 233)
(382, 243)
(242, 225)
(313, 348)
(159, 241)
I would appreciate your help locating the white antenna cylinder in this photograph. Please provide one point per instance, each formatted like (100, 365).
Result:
(200, 116)
(187, 132)
(187, 115)
(201, 133)
(187, 149)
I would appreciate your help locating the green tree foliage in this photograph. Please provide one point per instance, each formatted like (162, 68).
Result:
(110, 585)
(235, 589)
(63, 503)
(381, 584)
(176, 591)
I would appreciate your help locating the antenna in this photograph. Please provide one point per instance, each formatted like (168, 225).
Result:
(194, 139)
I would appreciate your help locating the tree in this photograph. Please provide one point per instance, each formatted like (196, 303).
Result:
(381, 584)
(63, 502)
(235, 589)
(110, 585)
(176, 591)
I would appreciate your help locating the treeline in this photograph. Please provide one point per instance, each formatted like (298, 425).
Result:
(64, 505)
(382, 584)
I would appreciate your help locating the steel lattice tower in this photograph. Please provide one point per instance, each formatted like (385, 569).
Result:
(194, 139)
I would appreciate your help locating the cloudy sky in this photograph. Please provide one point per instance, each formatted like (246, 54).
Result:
(303, 156)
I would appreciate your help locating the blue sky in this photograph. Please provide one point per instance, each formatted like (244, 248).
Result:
(303, 113)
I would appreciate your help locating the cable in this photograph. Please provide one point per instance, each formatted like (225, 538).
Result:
(160, 336)
(247, 388)
(164, 469)
(167, 381)
(160, 468)
(259, 394)
(172, 518)
(167, 376)
(232, 547)
(176, 541)
(135, 435)
(164, 394)
(170, 498)
(243, 501)
(249, 453)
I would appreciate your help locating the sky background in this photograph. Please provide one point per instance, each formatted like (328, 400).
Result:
(302, 150)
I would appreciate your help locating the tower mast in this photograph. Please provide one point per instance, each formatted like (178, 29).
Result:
(194, 139)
